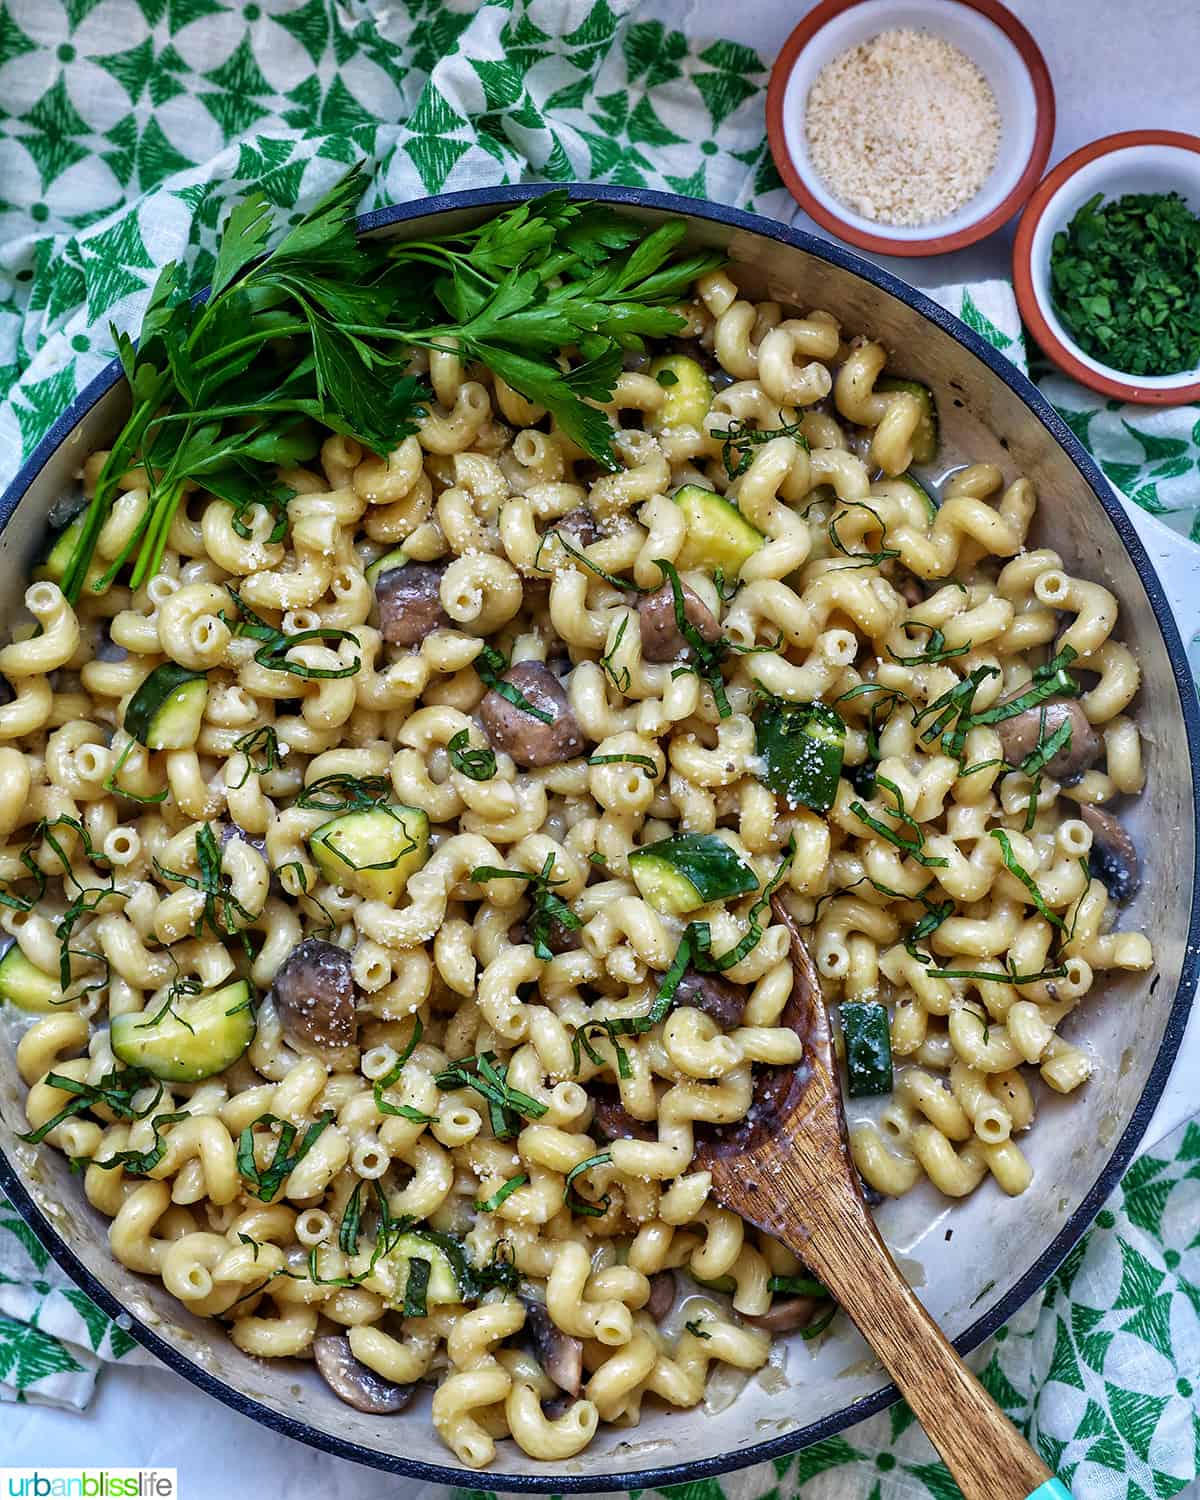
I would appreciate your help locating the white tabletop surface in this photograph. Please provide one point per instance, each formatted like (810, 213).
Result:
(1116, 65)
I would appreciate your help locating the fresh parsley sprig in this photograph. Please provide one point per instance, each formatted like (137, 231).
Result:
(321, 330)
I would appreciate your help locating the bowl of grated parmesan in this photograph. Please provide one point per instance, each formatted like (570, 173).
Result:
(910, 127)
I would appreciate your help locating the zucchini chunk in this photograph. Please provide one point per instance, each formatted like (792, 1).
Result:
(200, 1035)
(389, 1279)
(688, 396)
(910, 479)
(54, 565)
(802, 745)
(372, 852)
(26, 986)
(681, 874)
(384, 564)
(925, 439)
(718, 535)
(868, 1048)
(168, 708)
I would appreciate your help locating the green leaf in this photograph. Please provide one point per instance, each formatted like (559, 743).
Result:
(51, 140)
(1155, 447)
(1064, 1366)
(645, 127)
(1136, 1416)
(244, 237)
(29, 1241)
(240, 83)
(27, 1355)
(1093, 1347)
(998, 1386)
(723, 93)
(652, 50)
(982, 325)
(310, 26)
(96, 1322)
(1140, 1281)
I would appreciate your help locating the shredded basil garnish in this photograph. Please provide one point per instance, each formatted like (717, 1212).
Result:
(582, 557)
(273, 653)
(139, 1163)
(573, 1201)
(644, 761)
(797, 1286)
(110, 781)
(579, 1040)
(739, 439)
(115, 1091)
(1007, 975)
(266, 741)
(341, 792)
(618, 676)
(707, 654)
(935, 649)
(506, 1105)
(819, 1327)
(490, 1205)
(954, 705)
(478, 764)
(489, 664)
(865, 559)
(267, 1183)
(392, 1076)
(1014, 867)
(547, 907)
(911, 846)
(221, 906)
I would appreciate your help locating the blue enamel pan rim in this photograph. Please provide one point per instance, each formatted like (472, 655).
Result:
(1049, 1259)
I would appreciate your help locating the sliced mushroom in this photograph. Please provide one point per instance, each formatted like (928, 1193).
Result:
(230, 831)
(1114, 858)
(410, 604)
(716, 997)
(611, 1121)
(785, 1315)
(909, 587)
(1019, 736)
(559, 1355)
(662, 1295)
(315, 997)
(106, 648)
(580, 525)
(350, 1379)
(559, 939)
(526, 737)
(661, 638)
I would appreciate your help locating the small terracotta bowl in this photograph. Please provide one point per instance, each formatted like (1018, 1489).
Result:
(1005, 54)
(1136, 161)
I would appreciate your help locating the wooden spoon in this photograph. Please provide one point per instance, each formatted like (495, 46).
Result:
(786, 1168)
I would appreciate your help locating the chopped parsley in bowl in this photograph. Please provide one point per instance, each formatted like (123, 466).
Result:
(1125, 280)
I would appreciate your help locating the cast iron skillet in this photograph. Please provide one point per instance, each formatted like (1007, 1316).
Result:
(975, 1263)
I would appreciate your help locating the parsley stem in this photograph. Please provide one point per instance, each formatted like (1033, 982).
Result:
(251, 340)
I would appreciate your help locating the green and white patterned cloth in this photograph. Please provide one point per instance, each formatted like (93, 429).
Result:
(125, 128)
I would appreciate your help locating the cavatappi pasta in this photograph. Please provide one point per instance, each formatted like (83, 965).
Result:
(438, 860)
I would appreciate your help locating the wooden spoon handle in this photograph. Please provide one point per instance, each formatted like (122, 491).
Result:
(987, 1456)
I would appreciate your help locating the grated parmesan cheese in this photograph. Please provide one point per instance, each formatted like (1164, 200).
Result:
(903, 128)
